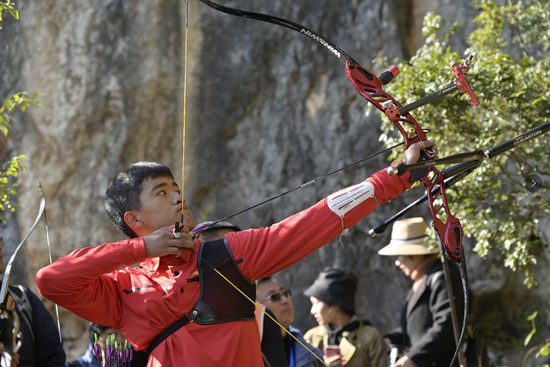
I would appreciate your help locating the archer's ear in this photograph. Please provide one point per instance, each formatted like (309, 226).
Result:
(132, 220)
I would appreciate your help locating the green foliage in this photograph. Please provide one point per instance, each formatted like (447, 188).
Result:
(542, 349)
(510, 78)
(8, 5)
(7, 190)
(10, 168)
(19, 100)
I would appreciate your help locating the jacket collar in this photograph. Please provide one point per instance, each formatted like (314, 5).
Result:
(414, 297)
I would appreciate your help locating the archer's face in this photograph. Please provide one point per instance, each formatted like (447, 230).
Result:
(161, 206)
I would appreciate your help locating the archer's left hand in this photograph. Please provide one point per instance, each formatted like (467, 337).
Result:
(412, 154)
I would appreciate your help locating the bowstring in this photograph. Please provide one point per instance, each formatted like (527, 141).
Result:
(184, 111)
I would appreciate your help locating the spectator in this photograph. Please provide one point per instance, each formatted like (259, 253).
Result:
(359, 344)
(279, 301)
(41, 345)
(426, 329)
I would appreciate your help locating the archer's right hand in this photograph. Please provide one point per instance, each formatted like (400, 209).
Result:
(163, 242)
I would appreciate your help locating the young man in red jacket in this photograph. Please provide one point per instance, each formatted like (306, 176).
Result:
(172, 283)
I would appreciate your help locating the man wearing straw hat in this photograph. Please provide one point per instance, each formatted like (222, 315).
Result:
(426, 329)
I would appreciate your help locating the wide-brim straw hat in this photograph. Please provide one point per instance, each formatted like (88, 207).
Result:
(408, 237)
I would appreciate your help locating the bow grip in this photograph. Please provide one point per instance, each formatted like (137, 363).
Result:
(418, 173)
(401, 168)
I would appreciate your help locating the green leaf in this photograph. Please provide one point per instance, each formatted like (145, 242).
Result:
(13, 12)
(532, 316)
(528, 338)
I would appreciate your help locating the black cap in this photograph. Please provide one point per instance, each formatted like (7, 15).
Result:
(335, 287)
(220, 225)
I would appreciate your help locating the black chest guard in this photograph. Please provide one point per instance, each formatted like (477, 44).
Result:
(219, 301)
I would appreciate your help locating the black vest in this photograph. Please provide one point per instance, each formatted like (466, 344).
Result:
(219, 301)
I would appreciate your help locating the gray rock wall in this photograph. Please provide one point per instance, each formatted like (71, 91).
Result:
(267, 110)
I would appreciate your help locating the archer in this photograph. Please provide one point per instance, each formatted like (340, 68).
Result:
(173, 304)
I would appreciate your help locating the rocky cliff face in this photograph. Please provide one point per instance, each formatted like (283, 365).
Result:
(267, 110)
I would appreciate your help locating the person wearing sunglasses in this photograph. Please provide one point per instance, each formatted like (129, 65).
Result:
(279, 300)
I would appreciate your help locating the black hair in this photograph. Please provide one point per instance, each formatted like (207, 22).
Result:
(123, 192)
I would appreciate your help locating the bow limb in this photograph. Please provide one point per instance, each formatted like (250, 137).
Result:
(50, 255)
(284, 23)
(7, 272)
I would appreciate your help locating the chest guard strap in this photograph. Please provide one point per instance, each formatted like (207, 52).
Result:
(219, 301)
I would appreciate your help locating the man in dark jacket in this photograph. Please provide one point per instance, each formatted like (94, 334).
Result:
(41, 342)
(426, 330)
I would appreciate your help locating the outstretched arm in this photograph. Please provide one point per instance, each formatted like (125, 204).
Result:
(266, 251)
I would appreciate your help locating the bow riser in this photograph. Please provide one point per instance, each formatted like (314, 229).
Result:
(370, 88)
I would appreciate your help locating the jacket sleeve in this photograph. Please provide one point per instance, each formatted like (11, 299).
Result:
(85, 281)
(377, 351)
(439, 337)
(267, 251)
(48, 349)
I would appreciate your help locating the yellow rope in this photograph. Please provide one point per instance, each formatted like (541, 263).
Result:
(184, 114)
